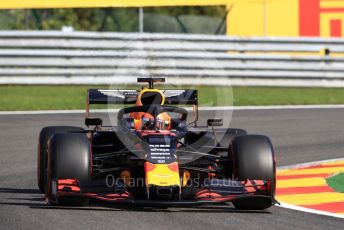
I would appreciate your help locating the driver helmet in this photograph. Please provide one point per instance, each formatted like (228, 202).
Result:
(163, 121)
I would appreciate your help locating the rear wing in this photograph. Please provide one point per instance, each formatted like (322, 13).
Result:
(105, 96)
(118, 96)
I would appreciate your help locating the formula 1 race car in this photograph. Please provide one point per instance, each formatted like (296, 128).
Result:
(154, 157)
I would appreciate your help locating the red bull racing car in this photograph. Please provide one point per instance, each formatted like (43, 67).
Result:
(155, 156)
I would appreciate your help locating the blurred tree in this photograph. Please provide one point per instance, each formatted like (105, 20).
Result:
(103, 19)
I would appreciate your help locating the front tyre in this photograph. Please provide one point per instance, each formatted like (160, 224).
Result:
(44, 136)
(253, 157)
(69, 157)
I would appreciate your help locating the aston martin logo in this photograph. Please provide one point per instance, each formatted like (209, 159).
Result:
(119, 93)
(173, 93)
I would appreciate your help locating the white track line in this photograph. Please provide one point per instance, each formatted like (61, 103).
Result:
(39, 112)
(302, 209)
(273, 107)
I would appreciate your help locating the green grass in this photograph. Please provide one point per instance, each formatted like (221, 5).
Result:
(73, 97)
(336, 182)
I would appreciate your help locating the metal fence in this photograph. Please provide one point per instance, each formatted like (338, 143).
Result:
(56, 57)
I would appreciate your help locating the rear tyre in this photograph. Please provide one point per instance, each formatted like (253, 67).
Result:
(69, 157)
(44, 136)
(253, 158)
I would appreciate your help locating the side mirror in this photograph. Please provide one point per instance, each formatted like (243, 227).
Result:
(215, 122)
(93, 122)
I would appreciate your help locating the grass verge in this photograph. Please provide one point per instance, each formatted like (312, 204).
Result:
(336, 182)
(73, 97)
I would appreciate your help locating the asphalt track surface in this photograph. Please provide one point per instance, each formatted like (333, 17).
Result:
(299, 136)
